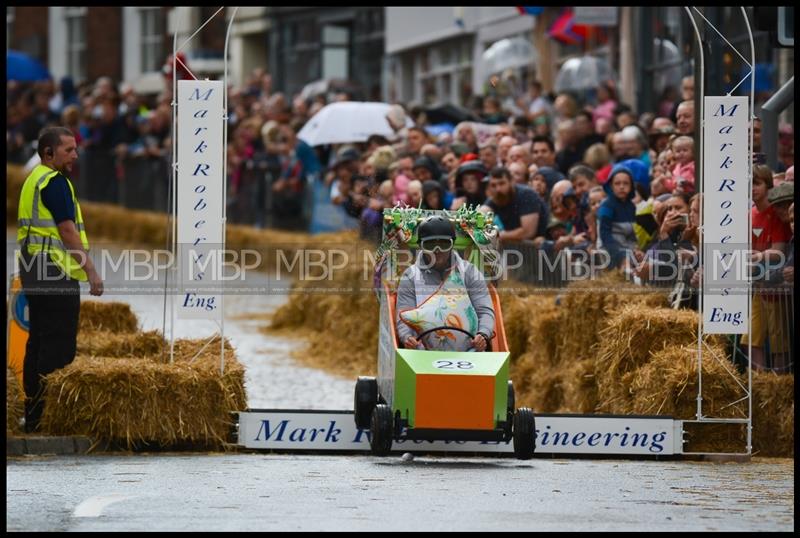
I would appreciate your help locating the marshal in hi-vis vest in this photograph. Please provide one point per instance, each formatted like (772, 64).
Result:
(37, 228)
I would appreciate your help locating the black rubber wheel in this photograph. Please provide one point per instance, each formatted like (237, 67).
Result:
(508, 431)
(364, 400)
(380, 439)
(524, 429)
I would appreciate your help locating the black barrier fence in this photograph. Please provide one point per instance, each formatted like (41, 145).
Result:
(771, 330)
(143, 182)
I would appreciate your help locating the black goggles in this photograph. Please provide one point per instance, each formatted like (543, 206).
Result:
(442, 243)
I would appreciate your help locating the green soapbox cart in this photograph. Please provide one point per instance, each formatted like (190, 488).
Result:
(439, 395)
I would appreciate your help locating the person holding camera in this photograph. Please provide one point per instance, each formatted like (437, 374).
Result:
(667, 258)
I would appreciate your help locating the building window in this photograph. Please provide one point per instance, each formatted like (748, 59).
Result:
(76, 42)
(335, 51)
(442, 71)
(152, 29)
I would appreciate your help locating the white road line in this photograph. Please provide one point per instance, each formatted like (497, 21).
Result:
(94, 506)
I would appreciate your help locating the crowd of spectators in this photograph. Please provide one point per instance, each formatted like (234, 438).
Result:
(560, 175)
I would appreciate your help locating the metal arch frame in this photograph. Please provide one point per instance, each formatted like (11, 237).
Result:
(749, 390)
(173, 215)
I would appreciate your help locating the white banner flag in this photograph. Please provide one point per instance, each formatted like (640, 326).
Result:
(726, 213)
(200, 211)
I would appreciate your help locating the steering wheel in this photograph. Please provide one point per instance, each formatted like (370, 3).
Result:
(447, 327)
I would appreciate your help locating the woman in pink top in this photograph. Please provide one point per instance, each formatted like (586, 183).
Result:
(606, 103)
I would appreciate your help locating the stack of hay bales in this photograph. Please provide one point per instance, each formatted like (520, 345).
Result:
(627, 343)
(668, 385)
(556, 370)
(537, 382)
(339, 318)
(111, 317)
(121, 389)
(773, 414)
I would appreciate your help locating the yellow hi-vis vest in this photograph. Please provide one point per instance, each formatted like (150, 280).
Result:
(35, 223)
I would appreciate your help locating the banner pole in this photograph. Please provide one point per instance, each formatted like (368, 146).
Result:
(224, 185)
(750, 238)
(702, 239)
(174, 209)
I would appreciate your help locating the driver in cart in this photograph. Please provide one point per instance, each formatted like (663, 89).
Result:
(443, 302)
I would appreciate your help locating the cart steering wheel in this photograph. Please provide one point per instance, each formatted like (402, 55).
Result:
(449, 328)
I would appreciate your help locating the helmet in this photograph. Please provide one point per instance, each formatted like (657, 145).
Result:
(470, 166)
(436, 225)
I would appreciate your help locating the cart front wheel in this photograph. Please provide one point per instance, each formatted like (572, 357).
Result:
(380, 440)
(524, 430)
(365, 398)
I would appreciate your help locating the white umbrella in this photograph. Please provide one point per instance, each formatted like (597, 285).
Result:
(508, 53)
(583, 73)
(666, 51)
(348, 121)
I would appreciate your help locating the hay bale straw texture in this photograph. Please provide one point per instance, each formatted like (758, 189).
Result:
(632, 334)
(537, 384)
(668, 384)
(139, 401)
(111, 344)
(113, 317)
(339, 319)
(588, 305)
(773, 414)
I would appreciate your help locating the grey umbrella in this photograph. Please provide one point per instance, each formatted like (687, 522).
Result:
(586, 72)
(508, 53)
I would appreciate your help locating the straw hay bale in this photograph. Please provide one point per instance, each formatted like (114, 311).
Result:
(339, 317)
(773, 414)
(580, 387)
(632, 334)
(15, 403)
(545, 332)
(587, 307)
(201, 349)
(518, 312)
(537, 383)
(112, 344)
(102, 316)
(668, 385)
(136, 401)
(714, 438)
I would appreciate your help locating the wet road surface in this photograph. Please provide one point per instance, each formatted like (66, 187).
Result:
(251, 492)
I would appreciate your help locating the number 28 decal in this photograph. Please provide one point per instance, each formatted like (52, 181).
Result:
(444, 364)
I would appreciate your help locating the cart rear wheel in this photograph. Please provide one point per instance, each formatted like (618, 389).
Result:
(524, 430)
(365, 399)
(380, 440)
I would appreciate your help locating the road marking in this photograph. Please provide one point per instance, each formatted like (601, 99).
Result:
(94, 506)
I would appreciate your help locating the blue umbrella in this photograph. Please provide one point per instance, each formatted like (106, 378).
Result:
(439, 128)
(22, 67)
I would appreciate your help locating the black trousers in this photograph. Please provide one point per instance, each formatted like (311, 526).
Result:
(53, 307)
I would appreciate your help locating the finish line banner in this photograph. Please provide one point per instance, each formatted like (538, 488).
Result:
(200, 183)
(555, 434)
(726, 214)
